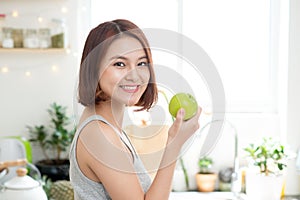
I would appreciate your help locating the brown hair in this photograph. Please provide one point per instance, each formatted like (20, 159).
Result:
(97, 43)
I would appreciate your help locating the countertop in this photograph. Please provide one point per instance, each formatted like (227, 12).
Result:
(297, 197)
(194, 195)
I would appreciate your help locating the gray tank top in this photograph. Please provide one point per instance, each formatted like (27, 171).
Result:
(87, 189)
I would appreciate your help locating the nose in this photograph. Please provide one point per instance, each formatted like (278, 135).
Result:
(132, 75)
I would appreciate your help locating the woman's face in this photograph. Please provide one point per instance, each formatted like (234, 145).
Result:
(124, 73)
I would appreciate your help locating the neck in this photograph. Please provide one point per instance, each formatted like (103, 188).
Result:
(112, 112)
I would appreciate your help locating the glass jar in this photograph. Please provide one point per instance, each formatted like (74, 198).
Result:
(58, 33)
(17, 36)
(44, 38)
(2, 20)
(7, 40)
(31, 39)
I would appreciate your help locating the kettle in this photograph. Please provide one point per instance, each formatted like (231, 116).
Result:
(22, 186)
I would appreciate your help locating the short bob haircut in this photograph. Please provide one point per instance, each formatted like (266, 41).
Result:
(96, 45)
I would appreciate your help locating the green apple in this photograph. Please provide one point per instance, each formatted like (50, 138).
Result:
(185, 101)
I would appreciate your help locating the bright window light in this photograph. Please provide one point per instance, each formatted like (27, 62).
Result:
(239, 36)
(236, 35)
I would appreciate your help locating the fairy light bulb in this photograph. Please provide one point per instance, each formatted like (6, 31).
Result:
(64, 9)
(4, 70)
(15, 13)
(75, 54)
(40, 19)
(27, 73)
(54, 68)
(68, 50)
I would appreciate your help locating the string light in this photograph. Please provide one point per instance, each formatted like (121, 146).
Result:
(54, 68)
(27, 73)
(4, 69)
(64, 10)
(29, 69)
(75, 54)
(68, 50)
(15, 13)
(40, 19)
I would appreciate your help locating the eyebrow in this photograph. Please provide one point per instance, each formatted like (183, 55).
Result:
(124, 58)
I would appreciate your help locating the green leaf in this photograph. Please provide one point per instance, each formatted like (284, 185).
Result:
(268, 150)
(57, 136)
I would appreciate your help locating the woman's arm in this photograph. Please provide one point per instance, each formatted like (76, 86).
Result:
(179, 132)
(112, 164)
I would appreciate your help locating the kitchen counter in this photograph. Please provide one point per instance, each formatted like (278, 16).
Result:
(215, 196)
(204, 195)
(297, 197)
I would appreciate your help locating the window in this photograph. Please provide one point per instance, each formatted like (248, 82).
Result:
(146, 14)
(236, 35)
(239, 36)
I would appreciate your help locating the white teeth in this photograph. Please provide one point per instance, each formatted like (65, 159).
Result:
(126, 87)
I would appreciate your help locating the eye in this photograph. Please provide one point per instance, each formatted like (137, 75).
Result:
(143, 64)
(119, 64)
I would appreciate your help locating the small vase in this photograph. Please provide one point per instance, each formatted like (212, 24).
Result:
(261, 187)
(206, 182)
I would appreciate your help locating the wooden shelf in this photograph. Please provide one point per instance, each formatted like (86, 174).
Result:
(37, 50)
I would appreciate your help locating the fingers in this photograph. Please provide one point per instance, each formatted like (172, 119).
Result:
(180, 124)
(179, 119)
(197, 115)
(180, 114)
(194, 121)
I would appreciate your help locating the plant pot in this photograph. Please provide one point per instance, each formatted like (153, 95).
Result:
(261, 187)
(206, 182)
(54, 171)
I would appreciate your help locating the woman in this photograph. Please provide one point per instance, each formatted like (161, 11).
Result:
(117, 71)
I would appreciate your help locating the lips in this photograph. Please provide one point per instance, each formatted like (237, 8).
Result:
(130, 88)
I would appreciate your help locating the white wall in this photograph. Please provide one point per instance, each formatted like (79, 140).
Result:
(24, 99)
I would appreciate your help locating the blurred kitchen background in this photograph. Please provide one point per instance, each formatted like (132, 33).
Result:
(255, 46)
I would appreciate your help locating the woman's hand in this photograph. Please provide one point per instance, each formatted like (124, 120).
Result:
(182, 130)
(178, 134)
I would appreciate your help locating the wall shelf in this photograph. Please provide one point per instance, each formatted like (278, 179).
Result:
(31, 51)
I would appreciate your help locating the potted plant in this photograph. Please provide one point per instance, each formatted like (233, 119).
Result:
(54, 140)
(206, 178)
(264, 179)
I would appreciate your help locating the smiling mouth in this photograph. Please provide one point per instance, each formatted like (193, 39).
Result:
(130, 88)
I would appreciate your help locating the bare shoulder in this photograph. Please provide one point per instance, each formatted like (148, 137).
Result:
(103, 158)
(97, 133)
(95, 145)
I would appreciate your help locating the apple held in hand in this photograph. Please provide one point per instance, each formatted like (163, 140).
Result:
(185, 101)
